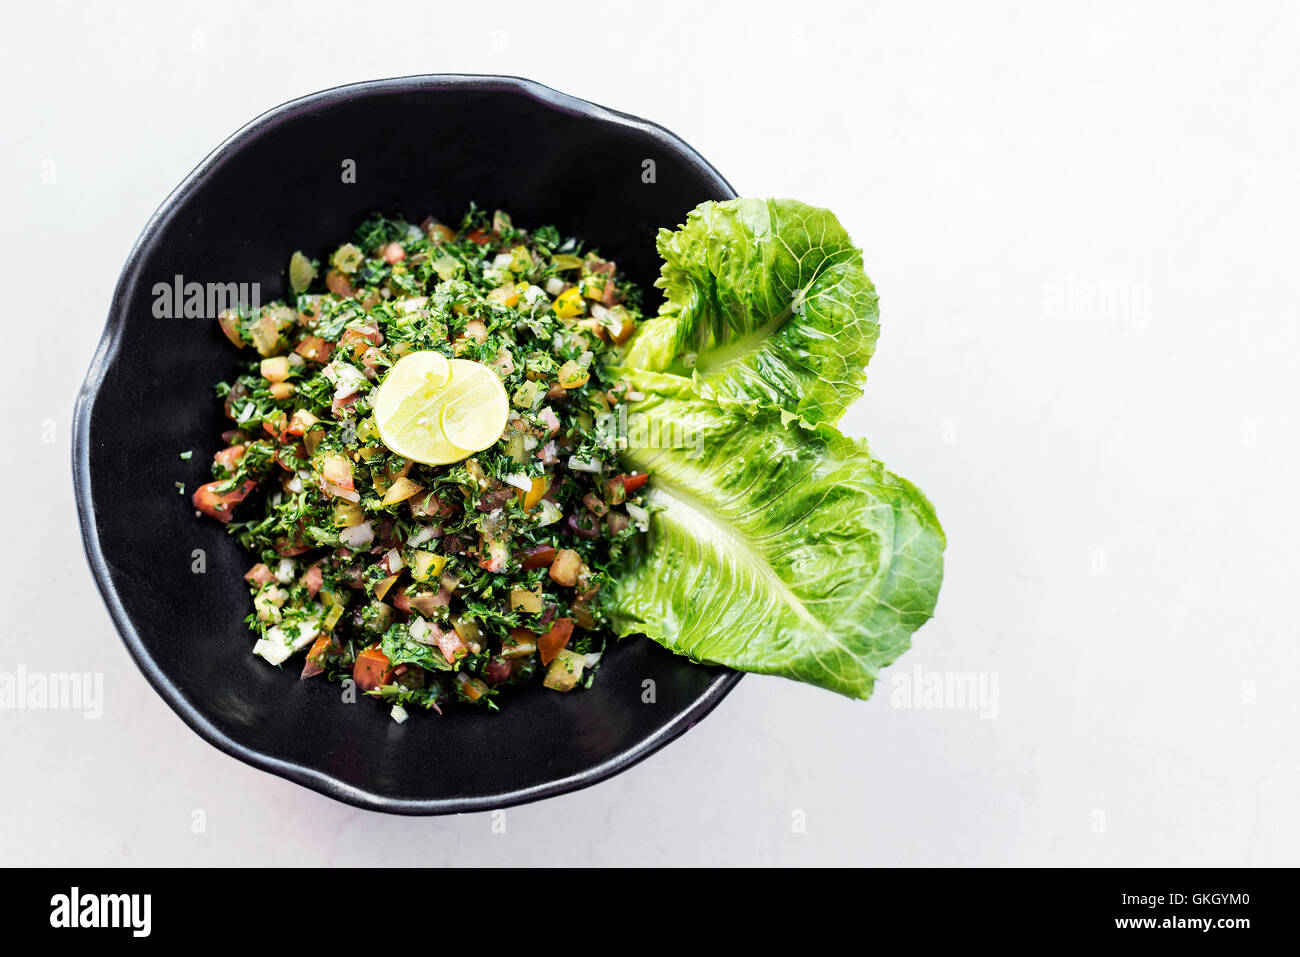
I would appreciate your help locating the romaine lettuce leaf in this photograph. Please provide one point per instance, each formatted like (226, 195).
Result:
(767, 306)
(773, 547)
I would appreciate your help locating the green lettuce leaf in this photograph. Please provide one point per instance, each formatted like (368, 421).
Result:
(767, 306)
(773, 548)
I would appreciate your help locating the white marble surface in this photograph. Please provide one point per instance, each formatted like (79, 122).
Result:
(1082, 225)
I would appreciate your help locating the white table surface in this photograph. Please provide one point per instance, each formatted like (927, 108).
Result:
(1082, 226)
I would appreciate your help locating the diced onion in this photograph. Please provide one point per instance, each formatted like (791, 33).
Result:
(399, 713)
(518, 480)
(639, 515)
(407, 306)
(425, 533)
(358, 536)
(343, 493)
(555, 285)
(583, 465)
(284, 571)
(346, 378)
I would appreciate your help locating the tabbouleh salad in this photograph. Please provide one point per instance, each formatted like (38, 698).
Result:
(430, 583)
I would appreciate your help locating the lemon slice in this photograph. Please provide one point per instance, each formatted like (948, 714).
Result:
(436, 411)
(474, 406)
(425, 373)
(408, 406)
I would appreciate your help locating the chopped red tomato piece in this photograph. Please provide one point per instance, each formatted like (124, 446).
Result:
(315, 663)
(633, 482)
(372, 669)
(259, 575)
(553, 642)
(214, 503)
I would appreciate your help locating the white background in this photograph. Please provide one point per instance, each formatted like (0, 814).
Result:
(1082, 223)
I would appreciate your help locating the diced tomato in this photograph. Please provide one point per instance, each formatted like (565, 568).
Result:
(471, 688)
(290, 547)
(338, 283)
(313, 578)
(311, 310)
(300, 422)
(338, 470)
(553, 642)
(259, 575)
(372, 359)
(229, 457)
(315, 663)
(274, 425)
(372, 669)
(451, 645)
(549, 419)
(493, 554)
(480, 237)
(338, 406)
(401, 600)
(633, 482)
(314, 349)
(394, 253)
(476, 330)
(368, 334)
(220, 505)
(229, 322)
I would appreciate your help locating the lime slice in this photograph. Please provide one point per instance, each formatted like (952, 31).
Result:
(407, 408)
(474, 406)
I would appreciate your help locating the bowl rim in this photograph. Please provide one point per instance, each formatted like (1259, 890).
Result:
(106, 352)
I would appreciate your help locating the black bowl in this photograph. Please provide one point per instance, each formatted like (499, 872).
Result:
(420, 145)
